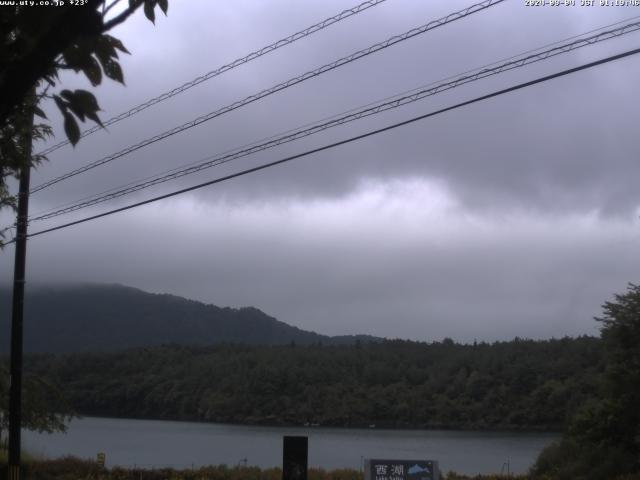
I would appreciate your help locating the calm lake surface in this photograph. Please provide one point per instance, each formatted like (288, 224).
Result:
(150, 443)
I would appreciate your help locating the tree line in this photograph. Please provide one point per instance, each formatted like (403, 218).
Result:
(587, 387)
(521, 384)
(602, 438)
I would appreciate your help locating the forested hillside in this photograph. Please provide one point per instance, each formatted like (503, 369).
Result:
(518, 384)
(113, 317)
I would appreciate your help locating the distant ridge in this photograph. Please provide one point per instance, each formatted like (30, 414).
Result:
(98, 317)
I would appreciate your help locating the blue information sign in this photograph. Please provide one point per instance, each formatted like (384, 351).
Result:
(377, 469)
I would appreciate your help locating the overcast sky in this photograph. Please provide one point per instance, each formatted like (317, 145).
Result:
(517, 216)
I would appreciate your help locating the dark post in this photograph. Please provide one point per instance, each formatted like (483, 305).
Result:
(15, 389)
(294, 458)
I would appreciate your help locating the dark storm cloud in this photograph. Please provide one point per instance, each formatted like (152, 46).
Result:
(510, 217)
(564, 145)
(394, 260)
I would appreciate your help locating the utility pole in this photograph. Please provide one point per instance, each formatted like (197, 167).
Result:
(17, 309)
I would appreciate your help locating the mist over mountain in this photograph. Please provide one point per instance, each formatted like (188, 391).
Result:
(96, 317)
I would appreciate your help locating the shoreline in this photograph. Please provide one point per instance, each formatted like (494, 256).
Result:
(382, 427)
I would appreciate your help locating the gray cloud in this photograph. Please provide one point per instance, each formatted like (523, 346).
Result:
(530, 222)
(566, 144)
(400, 259)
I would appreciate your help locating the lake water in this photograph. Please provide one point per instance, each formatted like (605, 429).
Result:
(155, 444)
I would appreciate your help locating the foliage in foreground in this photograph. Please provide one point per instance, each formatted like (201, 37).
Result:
(603, 438)
(37, 43)
(44, 406)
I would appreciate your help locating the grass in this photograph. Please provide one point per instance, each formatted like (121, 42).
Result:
(26, 457)
(71, 468)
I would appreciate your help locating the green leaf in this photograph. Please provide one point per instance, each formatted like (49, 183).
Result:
(78, 112)
(77, 56)
(164, 5)
(38, 111)
(72, 57)
(148, 10)
(67, 95)
(113, 70)
(92, 71)
(82, 103)
(117, 44)
(94, 116)
(86, 100)
(104, 50)
(106, 54)
(62, 105)
(71, 128)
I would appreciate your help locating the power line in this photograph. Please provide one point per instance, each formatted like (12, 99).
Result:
(343, 142)
(281, 86)
(406, 92)
(357, 115)
(225, 68)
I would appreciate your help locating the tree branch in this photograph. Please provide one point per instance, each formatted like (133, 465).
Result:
(122, 17)
(106, 9)
(63, 30)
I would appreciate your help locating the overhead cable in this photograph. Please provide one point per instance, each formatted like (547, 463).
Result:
(373, 109)
(276, 88)
(343, 142)
(225, 68)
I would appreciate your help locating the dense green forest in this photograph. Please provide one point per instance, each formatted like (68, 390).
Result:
(587, 387)
(519, 384)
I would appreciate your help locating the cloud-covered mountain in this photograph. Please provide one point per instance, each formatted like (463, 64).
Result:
(113, 317)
